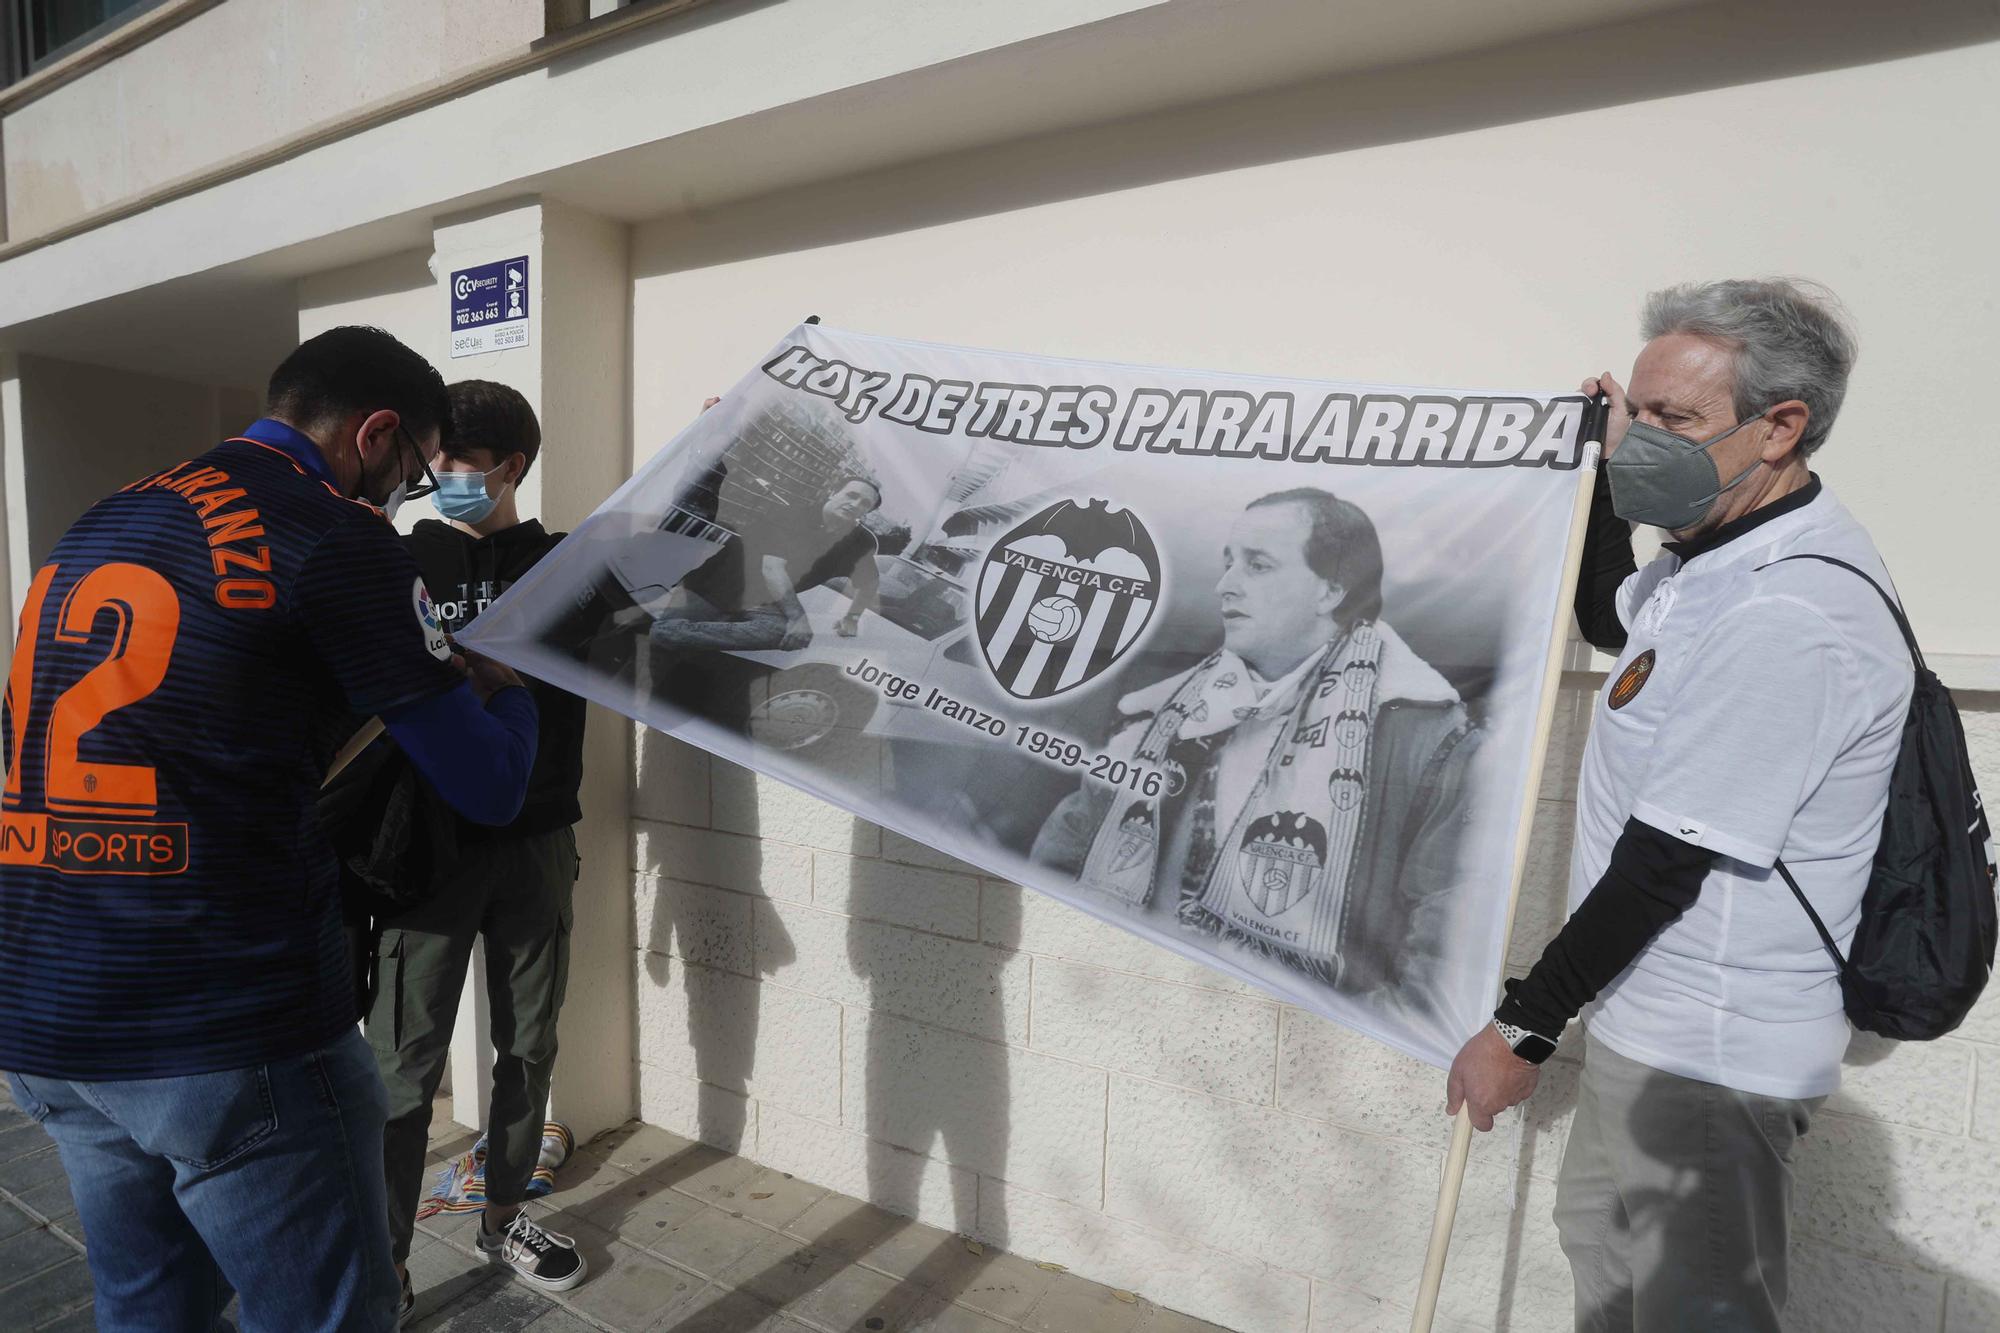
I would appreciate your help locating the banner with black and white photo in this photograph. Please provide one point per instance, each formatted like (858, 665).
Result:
(1247, 666)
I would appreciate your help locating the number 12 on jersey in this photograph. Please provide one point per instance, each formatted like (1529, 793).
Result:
(94, 817)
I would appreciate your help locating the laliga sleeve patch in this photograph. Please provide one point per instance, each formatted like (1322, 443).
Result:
(428, 623)
(1631, 680)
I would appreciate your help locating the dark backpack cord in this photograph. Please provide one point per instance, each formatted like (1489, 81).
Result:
(1916, 656)
(1825, 936)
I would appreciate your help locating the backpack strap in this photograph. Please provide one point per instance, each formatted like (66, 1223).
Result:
(1825, 936)
(1902, 621)
(1916, 656)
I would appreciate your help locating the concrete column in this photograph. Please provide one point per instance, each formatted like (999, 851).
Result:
(72, 433)
(76, 432)
(574, 372)
(14, 542)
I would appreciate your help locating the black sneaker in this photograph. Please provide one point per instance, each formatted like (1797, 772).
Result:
(406, 1304)
(543, 1258)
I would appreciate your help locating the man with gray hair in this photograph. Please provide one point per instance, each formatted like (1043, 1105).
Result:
(1752, 719)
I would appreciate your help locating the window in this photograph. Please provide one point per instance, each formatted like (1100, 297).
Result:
(39, 32)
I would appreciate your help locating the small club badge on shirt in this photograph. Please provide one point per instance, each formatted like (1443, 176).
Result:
(1632, 679)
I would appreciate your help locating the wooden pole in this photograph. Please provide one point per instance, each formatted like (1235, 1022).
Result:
(1441, 1222)
(356, 743)
(1461, 1130)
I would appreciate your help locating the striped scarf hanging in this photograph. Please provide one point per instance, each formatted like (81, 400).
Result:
(1278, 876)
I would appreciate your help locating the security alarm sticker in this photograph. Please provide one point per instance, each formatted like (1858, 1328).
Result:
(489, 307)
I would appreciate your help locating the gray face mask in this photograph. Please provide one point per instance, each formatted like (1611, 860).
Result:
(1668, 480)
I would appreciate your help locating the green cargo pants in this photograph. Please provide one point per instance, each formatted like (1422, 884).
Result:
(515, 893)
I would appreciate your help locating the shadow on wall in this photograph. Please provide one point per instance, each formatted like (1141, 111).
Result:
(927, 1091)
(1670, 54)
(722, 1006)
(930, 1094)
(1850, 1196)
(927, 1095)
(721, 1020)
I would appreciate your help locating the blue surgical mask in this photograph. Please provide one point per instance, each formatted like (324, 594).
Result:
(462, 495)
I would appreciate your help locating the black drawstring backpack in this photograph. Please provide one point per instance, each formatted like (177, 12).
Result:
(1924, 948)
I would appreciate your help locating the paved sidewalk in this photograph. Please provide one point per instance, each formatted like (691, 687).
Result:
(679, 1237)
(43, 1281)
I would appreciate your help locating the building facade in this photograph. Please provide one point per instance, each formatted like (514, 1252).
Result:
(1435, 191)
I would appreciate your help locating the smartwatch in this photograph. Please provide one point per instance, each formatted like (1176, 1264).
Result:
(1530, 1046)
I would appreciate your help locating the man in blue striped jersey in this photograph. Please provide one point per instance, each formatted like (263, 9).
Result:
(175, 999)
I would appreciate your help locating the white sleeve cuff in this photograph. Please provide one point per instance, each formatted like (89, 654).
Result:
(1700, 833)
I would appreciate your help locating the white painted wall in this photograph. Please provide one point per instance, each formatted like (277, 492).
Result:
(652, 87)
(77, 432)
(1514, 254)
(395, 293)
(232, 79)
(13, 457)
(841, 1003)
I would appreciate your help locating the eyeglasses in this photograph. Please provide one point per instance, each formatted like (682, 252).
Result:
(417, 490)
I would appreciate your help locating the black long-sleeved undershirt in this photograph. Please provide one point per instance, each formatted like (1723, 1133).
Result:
(1653, 878)
(1607, 563)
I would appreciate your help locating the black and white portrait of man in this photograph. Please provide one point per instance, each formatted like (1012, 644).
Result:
(1314, 767)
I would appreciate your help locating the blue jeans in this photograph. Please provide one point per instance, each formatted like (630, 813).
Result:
(267, 1180)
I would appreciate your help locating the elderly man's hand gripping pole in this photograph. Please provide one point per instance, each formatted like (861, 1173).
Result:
(1487, 1078)
(1621, 408)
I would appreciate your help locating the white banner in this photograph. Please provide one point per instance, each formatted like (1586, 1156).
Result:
(1250, 667)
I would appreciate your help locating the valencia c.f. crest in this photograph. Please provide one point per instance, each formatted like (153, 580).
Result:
(1064, 595)
(1281, 860)
(1137, 839)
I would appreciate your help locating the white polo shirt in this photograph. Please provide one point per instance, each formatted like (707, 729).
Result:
(1758, 713)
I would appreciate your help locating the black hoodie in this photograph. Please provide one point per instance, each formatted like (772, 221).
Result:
(464, 574)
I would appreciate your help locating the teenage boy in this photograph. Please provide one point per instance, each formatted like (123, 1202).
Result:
(511, 885)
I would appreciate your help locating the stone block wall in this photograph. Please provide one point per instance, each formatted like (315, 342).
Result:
(842, 1003)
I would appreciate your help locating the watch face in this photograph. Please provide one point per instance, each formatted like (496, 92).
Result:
(1534, 1048)
(1530, 1046)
